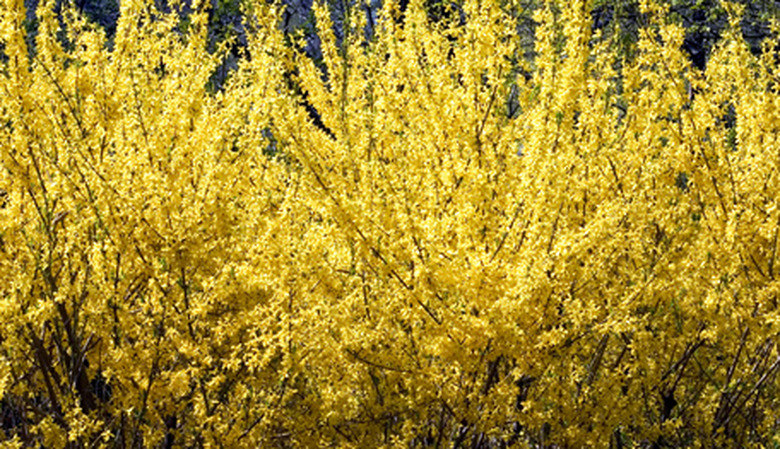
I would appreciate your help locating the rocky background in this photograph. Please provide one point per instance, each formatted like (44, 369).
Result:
(704, 21)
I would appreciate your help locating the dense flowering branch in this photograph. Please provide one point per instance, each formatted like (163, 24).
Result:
(190, 266)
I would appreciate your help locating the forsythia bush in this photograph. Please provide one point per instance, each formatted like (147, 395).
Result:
(188, 268)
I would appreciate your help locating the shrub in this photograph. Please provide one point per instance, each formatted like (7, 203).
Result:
(396, 273)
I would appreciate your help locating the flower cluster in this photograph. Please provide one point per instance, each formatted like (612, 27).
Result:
(353, 252)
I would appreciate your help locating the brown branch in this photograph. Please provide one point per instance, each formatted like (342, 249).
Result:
(362, 359)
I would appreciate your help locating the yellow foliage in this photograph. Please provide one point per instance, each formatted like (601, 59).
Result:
(172, 275)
